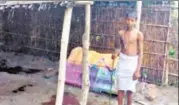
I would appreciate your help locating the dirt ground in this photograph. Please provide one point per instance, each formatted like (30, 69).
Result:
(34, 89)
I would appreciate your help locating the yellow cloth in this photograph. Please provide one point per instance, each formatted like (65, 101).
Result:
(94, 58)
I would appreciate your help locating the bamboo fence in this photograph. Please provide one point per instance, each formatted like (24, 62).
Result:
(37, 32)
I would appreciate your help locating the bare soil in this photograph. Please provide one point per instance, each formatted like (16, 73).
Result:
(34, 89)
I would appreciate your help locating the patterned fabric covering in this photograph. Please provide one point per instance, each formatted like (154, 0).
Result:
(101, 79)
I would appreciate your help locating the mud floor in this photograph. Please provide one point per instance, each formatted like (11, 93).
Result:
(29, 86)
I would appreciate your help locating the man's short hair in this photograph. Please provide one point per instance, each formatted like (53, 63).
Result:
(131, 14)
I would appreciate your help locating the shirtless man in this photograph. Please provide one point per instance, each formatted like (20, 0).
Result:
(129, 47)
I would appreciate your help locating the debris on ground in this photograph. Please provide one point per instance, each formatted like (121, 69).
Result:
(33, 89)
(151, 92)
(13, 83)
(50, 72)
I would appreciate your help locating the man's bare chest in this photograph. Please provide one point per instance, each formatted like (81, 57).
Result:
(129, 38)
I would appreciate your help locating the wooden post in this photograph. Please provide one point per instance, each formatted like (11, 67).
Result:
(166, 72)
(138, 9)
(86, 43)
(166, 69)
(63, 55)
(84, 2)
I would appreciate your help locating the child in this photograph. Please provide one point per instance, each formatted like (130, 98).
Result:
(129, 46)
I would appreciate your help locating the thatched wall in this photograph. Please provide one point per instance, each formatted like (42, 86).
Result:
(153, 27)
(36, 29)
(173, 39)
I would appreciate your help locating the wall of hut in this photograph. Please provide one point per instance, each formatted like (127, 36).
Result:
(36, 29)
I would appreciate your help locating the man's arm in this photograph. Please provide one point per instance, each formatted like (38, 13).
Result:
(140, 59)
(117, 43)
(116, 46)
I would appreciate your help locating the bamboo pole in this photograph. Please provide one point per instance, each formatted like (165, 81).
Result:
(84, 2)
(138, 9)
(86, 43)
(173, 74)
(63, 55)
(166, 68)
(166, 75)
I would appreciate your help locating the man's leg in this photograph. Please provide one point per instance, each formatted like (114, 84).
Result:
(129, 98)
(120, 97)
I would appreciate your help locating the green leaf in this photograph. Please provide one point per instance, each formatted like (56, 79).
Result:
(171, 52)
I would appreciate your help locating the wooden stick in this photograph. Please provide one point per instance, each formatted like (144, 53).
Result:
(173, 59)
(141, 102)
(86, 43)
(152, 68)
(141, 23)
(158, 41)
(155, 25)
(154, 53)
(22, 2)
(84, 2)
(63, 55)
(166, 69)
(173, 74)
(138, 9)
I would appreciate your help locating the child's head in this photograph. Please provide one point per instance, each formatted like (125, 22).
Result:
(130, 19)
